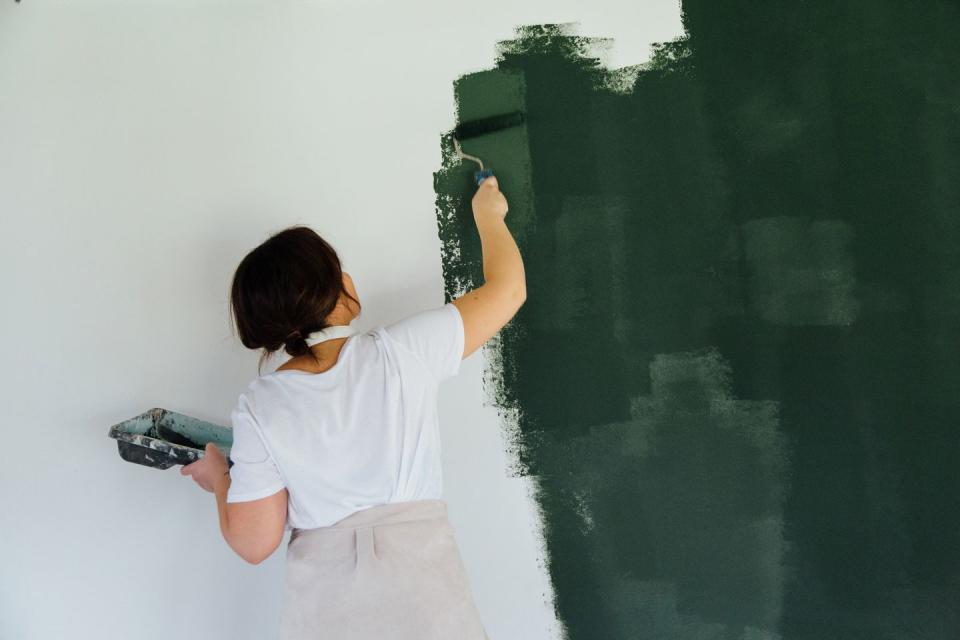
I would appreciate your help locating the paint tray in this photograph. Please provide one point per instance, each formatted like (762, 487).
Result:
(161, 438)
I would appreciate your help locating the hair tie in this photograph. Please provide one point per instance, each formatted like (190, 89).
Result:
(293, 334)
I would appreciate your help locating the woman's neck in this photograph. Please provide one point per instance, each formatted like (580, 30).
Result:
(327, 354)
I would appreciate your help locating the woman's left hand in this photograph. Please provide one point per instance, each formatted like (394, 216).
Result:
(208, 468)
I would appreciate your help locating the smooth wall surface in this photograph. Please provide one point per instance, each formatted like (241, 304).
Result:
(144, 149)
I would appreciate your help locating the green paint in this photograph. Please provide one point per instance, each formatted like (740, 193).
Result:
(735, 378)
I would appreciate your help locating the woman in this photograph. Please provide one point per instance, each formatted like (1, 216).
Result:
(341, 446)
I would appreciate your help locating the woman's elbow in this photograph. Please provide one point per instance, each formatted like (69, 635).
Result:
(256, 556)
(256, 551)
(254, 559)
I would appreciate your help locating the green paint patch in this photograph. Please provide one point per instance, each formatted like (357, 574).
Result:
(801, 272)
(686, 507)
(734, 378)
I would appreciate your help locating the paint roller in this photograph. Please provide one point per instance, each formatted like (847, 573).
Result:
(482, 127)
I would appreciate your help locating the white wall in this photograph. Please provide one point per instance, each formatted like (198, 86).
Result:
(145, 147)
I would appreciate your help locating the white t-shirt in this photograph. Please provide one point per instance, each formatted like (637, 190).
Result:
(363, 433)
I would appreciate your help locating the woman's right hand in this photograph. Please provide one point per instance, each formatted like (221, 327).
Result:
(488, 201)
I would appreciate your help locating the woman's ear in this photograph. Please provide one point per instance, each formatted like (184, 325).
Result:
(348, 285)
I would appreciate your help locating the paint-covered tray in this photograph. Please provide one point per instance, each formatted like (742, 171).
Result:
(161, 438)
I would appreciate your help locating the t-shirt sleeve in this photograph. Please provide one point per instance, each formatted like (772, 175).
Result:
(435, 336)
(254, 473)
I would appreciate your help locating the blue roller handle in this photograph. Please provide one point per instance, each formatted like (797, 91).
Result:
(480, 176)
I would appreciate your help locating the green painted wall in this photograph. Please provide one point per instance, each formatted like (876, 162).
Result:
(736, 375)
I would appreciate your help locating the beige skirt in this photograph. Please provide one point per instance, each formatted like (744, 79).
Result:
(390, 571)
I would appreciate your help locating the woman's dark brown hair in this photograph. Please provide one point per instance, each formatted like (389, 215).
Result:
(284, 290)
